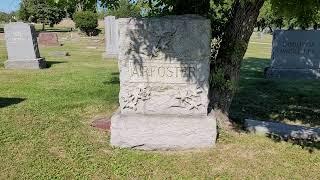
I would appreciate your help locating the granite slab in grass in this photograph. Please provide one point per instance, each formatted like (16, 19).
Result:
(282, 130)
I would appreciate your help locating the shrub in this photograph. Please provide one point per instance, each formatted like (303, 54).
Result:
(86, 21)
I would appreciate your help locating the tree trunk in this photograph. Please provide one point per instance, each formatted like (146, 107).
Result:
(225, 69)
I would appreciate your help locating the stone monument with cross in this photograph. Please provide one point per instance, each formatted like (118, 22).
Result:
(164, 84)
(22, 47)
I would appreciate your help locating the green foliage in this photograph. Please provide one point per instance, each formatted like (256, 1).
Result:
(126, 9)
(268, 17)
(72, 6)
(219, 15)
(305, 12)
(86, 21)
(5, 17)
(44, 11)
(219, 81)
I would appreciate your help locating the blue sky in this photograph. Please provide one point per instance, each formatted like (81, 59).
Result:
(9, 5)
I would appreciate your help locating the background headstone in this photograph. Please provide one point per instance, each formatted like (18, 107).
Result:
(164, 72)
(22, 47)
(295, 54)
(48, 39)
(111, 37)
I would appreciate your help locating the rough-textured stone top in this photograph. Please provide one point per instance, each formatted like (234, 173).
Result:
(164, 65)
(21, 41)
(296, 49)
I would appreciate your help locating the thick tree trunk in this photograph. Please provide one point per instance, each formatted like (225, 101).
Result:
(225, 69)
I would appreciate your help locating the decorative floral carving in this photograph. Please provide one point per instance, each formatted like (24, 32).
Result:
(162, 43)
(133, 97)
(189, 99)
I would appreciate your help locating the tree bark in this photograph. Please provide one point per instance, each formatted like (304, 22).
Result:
(225, 68)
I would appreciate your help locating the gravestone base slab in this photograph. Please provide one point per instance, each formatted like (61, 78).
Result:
(109, 56)
(39, 63)
(162, 132)
(272, 73)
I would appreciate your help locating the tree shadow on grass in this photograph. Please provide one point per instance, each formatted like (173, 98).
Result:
(289, 101)
(308, 144)
(286, 101)
(51, 63)
(4, 102)
(114, 79)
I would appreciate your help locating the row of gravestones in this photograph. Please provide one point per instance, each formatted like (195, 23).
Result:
(164, 76)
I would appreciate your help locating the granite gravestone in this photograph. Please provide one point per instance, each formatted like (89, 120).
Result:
(48, 39)
(164, 71)
(111, 37)
(22, 47)
(295, 54)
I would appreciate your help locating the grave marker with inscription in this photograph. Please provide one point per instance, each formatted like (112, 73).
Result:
(111, 37)
(295, 54)
(22, 47)
(164, 72)
(48, 39)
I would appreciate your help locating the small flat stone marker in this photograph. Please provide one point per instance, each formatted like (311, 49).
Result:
(102, 123)
(22, 47)
(282, 130)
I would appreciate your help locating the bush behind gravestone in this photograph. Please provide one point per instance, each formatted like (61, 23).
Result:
(86, 21)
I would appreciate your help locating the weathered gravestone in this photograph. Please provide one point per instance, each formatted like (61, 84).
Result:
(111, 37)
(48, 39)
(22, 47)
(164, 71)
(295, 55)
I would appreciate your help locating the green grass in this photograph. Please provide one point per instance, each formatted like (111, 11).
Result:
(290, 101)
(45, 128)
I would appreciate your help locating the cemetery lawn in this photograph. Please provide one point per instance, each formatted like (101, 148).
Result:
(45, 119)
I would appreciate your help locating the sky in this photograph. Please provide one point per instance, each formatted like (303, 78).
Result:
(9, 5)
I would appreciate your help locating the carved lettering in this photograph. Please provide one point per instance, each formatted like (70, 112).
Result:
(162, 72)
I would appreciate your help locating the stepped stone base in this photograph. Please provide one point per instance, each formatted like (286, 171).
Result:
(273, 73)
(162, 132)
(39, 63)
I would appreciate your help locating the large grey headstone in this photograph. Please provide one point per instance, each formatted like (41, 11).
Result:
(111, 37)
(22, 47)
(164, 72)
(295, 54)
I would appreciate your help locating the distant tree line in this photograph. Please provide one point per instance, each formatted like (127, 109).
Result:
(6, 17)
(302, 14)
(51, 12)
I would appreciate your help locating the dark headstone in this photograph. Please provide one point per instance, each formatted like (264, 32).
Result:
(48, 39)
(295, 55)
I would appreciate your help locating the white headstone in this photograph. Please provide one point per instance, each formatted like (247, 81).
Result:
(164, 83)
(111, 37)
(22, 47)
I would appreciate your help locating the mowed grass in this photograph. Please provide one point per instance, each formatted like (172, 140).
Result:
(289, 101)
(45, 131)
